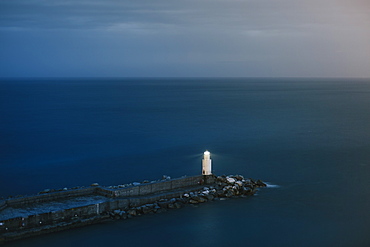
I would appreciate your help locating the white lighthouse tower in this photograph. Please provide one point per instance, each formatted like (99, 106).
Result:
(207, 164)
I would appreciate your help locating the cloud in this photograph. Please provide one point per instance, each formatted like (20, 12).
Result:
(197, 36)
(96, 14)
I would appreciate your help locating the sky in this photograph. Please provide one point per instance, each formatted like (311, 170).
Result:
(185, 38)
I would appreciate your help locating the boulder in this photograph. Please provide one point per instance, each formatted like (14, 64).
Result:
(192, 201)
(163, 204)
(161, 210)
(247, 191)
(205, 192)
(123, 215)
(210, 197)
(201, 199)
(231, 180)
(259, 183)
(221, 193)
(94, 184)
(181, 200)
(221, 179)
(239, 183)
(132, 212)
(146, 209)
(228, 187)
(229, 193)
(156, 208)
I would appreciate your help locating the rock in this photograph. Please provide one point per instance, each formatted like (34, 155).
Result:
(94, 184)
(132, 212)
(135, 183)
(230, 180)
(42, 192)
(199, 199)
(145, 181)
(192, 201)
(156, 208)
(229, 193)
(146, 209)
(221, 179)
(65, 189)
(210, 197)
(139, 210)
(247, 191)
(259, 183)
(163, 204)
(221, 193)
(116, 211)
(161, 210)
(180, 200)
(239, 177)
(123, 215)
(228, 187)
(239, 183)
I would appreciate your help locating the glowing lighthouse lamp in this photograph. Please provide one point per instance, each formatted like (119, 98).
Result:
(207, 164)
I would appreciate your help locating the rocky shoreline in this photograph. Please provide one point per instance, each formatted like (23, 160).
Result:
(171, 194)
(224, 187)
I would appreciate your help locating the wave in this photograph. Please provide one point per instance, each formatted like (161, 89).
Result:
(269, 185)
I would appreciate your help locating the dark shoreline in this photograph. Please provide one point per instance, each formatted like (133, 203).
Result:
(120, 203)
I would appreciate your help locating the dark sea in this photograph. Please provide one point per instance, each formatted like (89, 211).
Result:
(308, 138)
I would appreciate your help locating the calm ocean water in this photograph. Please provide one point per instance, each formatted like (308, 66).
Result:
(311, 137)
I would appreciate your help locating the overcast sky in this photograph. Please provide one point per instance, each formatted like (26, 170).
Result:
(121, 38)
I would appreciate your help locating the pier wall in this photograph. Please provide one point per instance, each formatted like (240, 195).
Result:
(151, 188)
(122, 198)
(60, 195)
(2, 204)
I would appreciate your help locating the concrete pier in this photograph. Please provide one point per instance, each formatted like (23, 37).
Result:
(59, 210)
(53, 211)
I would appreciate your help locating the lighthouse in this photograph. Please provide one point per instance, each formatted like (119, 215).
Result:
(206, 164)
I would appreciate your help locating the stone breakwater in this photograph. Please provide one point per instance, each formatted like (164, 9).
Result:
(56, 210)
(223, 187)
